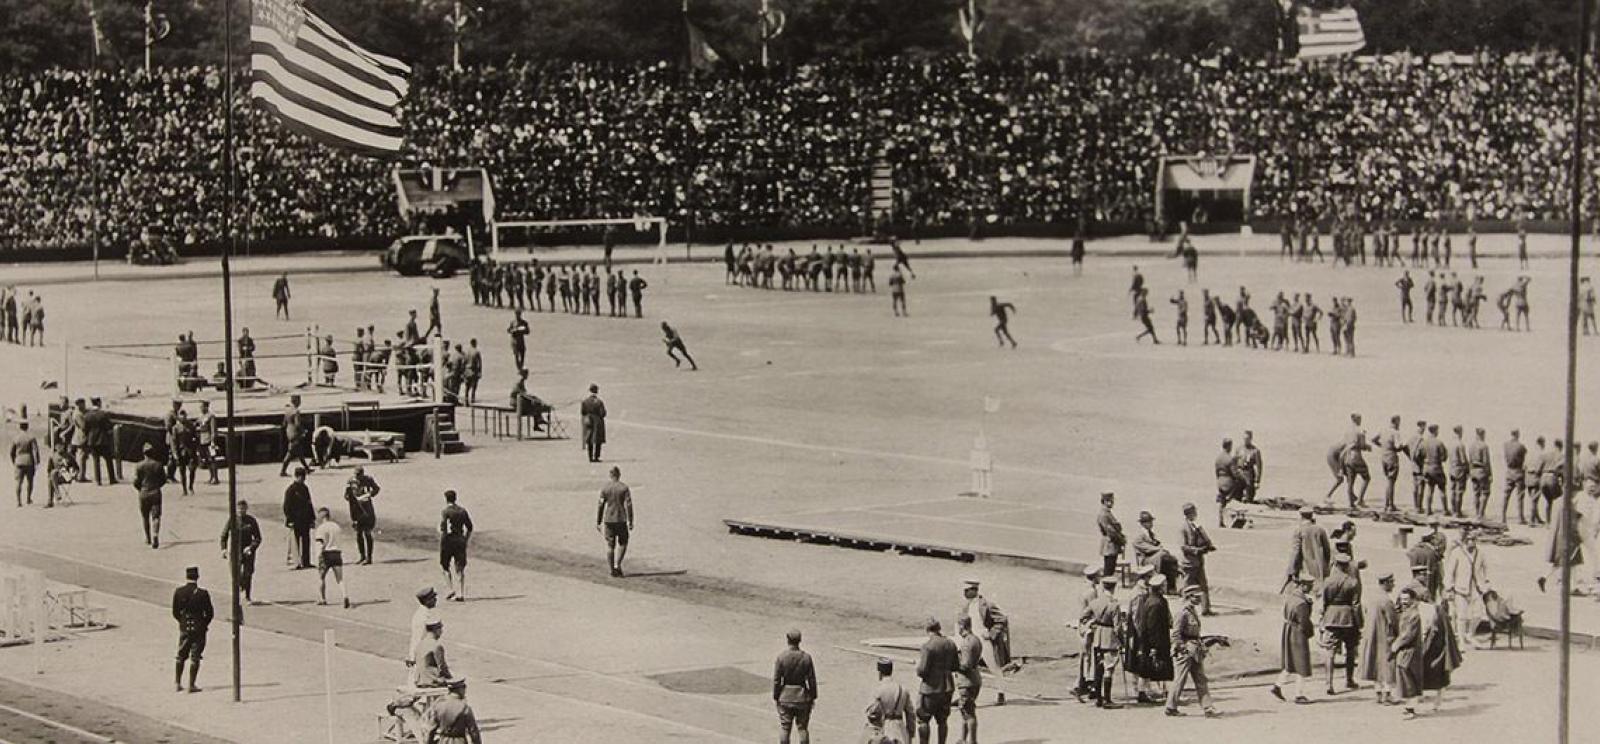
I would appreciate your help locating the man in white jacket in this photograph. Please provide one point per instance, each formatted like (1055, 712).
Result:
(1466, 578)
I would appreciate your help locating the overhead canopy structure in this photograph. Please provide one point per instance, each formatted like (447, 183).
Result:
(1204, 188)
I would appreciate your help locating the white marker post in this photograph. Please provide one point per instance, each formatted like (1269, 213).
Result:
(327, 674)
(34, 591)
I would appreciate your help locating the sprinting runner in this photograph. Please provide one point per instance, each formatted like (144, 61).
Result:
(900, 258)
(1001, 312)
(674, 344)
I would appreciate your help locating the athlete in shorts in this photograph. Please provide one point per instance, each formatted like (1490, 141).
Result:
(455, 528)
(614, 520)
(329, 556)
(675, 345)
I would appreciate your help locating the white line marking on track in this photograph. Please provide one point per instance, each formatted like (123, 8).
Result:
(580, 671)
(67, 727)
(881, 454)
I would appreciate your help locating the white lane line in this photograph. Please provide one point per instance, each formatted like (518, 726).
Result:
(579, 671)
(67, 727)
(880, 454)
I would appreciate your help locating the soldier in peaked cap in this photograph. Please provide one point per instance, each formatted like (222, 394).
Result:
(1091, 572)
(991, 627)
(1188, 655)
(1112, 540)
(1102, 617)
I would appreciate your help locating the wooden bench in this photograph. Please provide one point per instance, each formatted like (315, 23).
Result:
(73, 605)
(505, 422)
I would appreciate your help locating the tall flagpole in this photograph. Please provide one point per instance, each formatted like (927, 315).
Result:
(94, 144)
(235, 549)
(1568, 525)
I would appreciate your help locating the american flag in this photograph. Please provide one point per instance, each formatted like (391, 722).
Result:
(1325, 33)
(322, 84)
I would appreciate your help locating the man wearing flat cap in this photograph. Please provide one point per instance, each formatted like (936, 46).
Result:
(1112, 540)
(1341, 618)
(593, 411)
(191, 607)
(991, 627)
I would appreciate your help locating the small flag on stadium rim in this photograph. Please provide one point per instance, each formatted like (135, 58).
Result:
(320, 83)
(701, 55)
(1326, 33)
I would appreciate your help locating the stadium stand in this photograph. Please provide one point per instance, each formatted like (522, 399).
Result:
(1007, 142)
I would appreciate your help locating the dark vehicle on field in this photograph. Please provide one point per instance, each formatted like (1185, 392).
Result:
(438, 256)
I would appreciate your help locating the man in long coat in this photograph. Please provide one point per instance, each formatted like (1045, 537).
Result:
(1383, 622)
(1149, 651)
(1296, 645)
(594, 423)
(1405, 652)
(1309, 549)
(991, 627)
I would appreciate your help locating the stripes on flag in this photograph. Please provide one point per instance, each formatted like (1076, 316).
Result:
(1325, 33)
(320, 83)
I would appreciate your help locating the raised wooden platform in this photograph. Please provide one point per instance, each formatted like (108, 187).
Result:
(258, 417)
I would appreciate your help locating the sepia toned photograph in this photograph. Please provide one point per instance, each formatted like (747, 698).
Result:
(751, 371)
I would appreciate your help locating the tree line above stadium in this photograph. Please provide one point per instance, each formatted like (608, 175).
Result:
(38, 34)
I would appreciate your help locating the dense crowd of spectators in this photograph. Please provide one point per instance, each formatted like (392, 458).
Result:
(1025, 140)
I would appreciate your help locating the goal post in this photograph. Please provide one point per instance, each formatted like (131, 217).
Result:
(641, 224)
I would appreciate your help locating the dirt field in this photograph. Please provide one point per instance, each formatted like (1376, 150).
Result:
(811, 401)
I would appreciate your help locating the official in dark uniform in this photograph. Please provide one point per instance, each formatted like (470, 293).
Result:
(1342, 618)
(593, 411)
(1188, 655)
(453, 721)
(794, 689)
(249, 542)
(1196, 544)
(1227, 480)
(1516, 455)
(299, 516)
(148, 478)
(518, 331)
(1104, 614)
(191, 607)
(1111, 538)
(936, 666)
